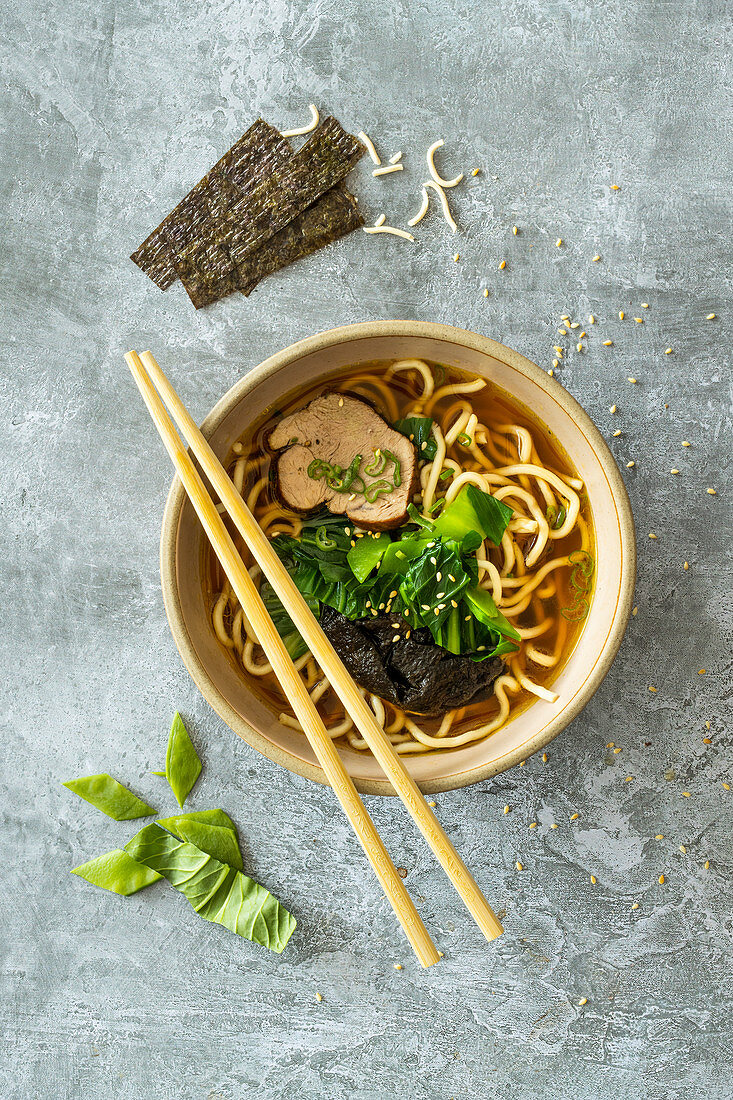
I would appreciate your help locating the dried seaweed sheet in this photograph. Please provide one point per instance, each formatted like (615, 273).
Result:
(239, 222)
(334, 215)
(251, 159)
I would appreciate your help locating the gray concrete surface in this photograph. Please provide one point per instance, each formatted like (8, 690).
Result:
(110, 112)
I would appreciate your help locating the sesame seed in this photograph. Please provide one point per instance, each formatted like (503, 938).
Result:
(319, 997)
(579, 347)
(668, 351)
(629, 779)
(686, 566)
(557, 349)
(475, 171)
(608, 343)
(424, 606)
(726, 786)
(591, 319)
(438, 577)
(432, 803)
(518, 865)
(616, 751)
(456, 258)
(433, 561)
(632, 381)
(575, 324)
(533, 824)
(639, 320)
(506, 809)
(706, 864)
(502, 265)
(710, 317)
(558, 243)
(564, 316)
(596, 258)
(652, 535)
(584, 333)
(711, 492)
(553, 826)
(675, 471)
(574, 817)
(593, 879)
(453, 603)
(486, 292)
(522, 763)
(610, 744)
(635, 612)
(635, 905)
(701, 672)
(630, 464)
(659, 836)
(660, 880)
(583, 1001)
(685, 443)
(515, 230)
(617, 433)
(341, 402)
(563, 331)
(707, 725)
(645, 305)
(612, 409)
(451, 578)
(556, 362)
(544, 757)
(652, 688)
(436, 610)
(686, 794)
(707, 740)
(621, 315)
(683, 849)
(439, 595)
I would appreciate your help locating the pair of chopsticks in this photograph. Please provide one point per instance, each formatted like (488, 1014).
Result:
(150, 378)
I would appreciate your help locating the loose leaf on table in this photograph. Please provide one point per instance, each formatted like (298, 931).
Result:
(212, 831)
(110, 797)
(182, 764)
(117, 871)
(217, 892)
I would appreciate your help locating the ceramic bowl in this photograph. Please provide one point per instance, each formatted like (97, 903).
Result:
(182, 551)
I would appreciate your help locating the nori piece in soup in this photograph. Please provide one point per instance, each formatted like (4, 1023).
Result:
(333, 216)
(257, 152)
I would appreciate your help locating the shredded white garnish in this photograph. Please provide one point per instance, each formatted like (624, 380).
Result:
(370, 147)
(423, 209)
(388, 229)
(443, 202)
(387, 169)
(307, 128)
(380, 221)
(396, 157)
(433, 170)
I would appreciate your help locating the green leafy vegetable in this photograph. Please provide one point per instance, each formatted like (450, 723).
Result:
(110, 797)
(217, 892)
(212, 831)
(182, 764)
(419, 430)
(474, 510)
(117, 871)
(367, 554)
(483, 607)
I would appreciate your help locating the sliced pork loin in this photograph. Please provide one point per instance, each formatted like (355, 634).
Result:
(335, 429)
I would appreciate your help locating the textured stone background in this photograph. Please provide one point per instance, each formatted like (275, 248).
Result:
(111, 110)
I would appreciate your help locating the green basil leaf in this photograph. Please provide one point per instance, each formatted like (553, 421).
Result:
(217, 892)
(212, 831)
(182, 764)
(117, 871)
(110, 797)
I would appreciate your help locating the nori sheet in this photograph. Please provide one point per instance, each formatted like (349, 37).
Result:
(208, 252)
(256, 153)
(334, 215)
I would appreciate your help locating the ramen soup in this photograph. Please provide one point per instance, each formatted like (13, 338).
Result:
(438, 533)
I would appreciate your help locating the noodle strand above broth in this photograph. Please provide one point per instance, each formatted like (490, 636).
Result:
(539, 576)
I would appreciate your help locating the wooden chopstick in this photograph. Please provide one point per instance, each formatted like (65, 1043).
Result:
(286, 673)
(356, 706)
